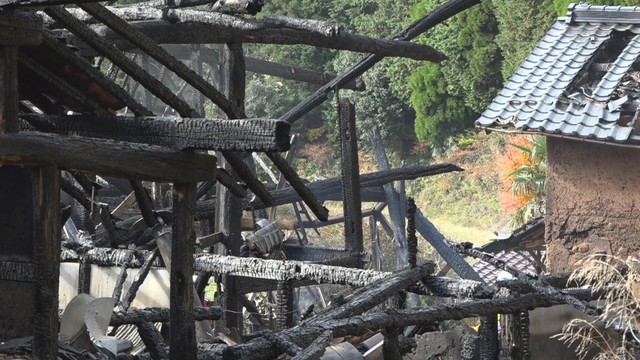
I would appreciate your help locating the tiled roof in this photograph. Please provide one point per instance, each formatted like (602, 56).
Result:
(556, 91)
(489, 273)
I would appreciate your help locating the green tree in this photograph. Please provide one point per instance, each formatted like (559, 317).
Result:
(521, 25)
(447, 97)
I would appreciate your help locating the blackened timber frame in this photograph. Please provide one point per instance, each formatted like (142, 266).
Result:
(176, 133)
(119, 159)
(350, 177)
(183, 332)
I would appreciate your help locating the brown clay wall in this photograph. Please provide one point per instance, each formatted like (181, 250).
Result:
(593, 202)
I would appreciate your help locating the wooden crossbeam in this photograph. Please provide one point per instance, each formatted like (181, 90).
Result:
(191, 26)
(30, 3)
(112, 158)
(177, 133)
(333, 186)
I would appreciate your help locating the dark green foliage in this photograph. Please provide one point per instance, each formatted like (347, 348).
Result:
(447, 97)
(521, 24)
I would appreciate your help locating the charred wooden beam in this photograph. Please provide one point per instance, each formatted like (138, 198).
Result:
(183, 332)
(317, 254)
(457, 288)
(317, 348)
(412, 239)
(19, 28)
(151, 48)
(198, 27)
(119, 159)
(138, 280)
(251, 7)
(352, 204)
(305, 334)
(9, 101)
(284, 304)
(278, 270)
(30, 3)
(44, 73)
(144, 203)
(367, 297)
(46, 219)
(437, 16)
(393, 202)
(230, 183)
(121, 60)
(107, 223)
(305, 193)
(152, 340)
(260, 66)
(63, 51)
(139, 316)
(117, 291)
(428, 231)
(323, 188)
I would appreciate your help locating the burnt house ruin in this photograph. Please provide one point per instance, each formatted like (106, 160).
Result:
(579, 87)
(108, 164)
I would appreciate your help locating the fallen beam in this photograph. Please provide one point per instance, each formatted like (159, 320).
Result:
(153, 315)
(305, 334)
(119, 159)
(175, 133)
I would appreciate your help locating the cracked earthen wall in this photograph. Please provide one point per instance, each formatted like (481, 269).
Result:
(593, 201)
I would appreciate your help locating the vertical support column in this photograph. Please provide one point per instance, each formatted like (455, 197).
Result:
(228, 207)
(9, 89)
(350, 177)
(47, 232)
(375, 243)
(284, 303)
(183, 332)
(489, 337)
(391, 346)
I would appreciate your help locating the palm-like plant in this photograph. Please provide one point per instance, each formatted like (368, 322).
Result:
(529, 179)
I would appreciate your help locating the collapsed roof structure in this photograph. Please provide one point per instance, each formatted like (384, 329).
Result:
(78, 95)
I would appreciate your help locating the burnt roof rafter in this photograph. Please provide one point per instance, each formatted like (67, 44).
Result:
(179, 26)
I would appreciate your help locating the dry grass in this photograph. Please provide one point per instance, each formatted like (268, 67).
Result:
(620, 282)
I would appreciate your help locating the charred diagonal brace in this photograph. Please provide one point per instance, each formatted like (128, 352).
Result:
(457, 288)
(532, 280)
(437, 16)
(60, 83)
(107, 223)
(305, 334)
(138, 280)
(223, 177)
(176, 133)
(118, 58)
(301, 189)
(143, 42)
(59, 48)
(152, 340)
(323, 187)
(117, 291)
(367, 297)
(160, 315)
(316, 349)
(73, 191)
(15, 3)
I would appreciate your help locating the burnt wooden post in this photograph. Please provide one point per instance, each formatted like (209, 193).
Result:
(46, 236)
(29, 214)
(350, 177)
(488, 332)
(183, 332)
(229, 207)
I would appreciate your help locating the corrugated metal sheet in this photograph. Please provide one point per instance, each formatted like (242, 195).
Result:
(549, 93)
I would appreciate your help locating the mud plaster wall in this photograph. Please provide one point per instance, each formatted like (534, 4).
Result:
(593, 201)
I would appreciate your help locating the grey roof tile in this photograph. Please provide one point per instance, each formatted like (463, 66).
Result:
(536, 97)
